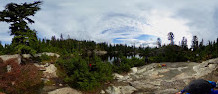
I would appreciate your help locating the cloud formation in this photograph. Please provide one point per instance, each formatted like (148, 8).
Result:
(123, 20)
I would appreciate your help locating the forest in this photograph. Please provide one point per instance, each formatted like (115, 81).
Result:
(82, 64)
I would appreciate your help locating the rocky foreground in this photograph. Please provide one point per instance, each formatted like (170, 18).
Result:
(149, 79)
(169, 79)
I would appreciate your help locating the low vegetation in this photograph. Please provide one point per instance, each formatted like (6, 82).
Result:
(79, 65)
(25, 79)
(85, 74)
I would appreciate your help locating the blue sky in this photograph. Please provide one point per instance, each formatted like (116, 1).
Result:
(137, 22)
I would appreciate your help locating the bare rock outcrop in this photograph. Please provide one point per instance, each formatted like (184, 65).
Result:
(50, 71)
(153, 79)
(27, 56)
(65, 90)
(7, 57)
(48, 54)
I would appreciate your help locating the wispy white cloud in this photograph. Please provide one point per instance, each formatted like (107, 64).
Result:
(106, 20)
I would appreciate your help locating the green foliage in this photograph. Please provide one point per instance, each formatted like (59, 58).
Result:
(125, 64)
(73, 66)
(170, 53)
(76, 56)
(80, 75)
(45, 57)
(49, 83)
(18, 17)
(25, 49)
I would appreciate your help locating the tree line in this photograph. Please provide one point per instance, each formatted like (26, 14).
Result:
(79, 65)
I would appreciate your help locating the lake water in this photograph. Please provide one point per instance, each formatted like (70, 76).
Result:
(111, 59)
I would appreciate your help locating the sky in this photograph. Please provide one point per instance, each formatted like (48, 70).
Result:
(132, 22)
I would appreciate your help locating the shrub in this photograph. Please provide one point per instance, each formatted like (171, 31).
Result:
(21, 80)
(23, 49)
(45, 57)
(1, 61)
(79, 74)
(125, 64)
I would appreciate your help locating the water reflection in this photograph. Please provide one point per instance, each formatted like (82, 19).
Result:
(111, 59)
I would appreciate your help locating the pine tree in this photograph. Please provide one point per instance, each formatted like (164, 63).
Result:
(201, 43)
(171, 38)
(194, 43)
(18, 17)
(61, 37)
(158, 42)
(184, 42)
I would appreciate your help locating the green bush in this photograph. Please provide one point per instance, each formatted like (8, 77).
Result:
(45, 57)
(23, 49)
(125, 64)
(80, 75)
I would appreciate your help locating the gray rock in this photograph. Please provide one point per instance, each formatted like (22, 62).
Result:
(9, 68)
(26, 56)
(102, 92)
(47, 53)
(46, 64)
(61, 85)
(7, 57)
(151, 79)
(50, 71)
(127, 89)
(133, 70)
(65, 90)
(113, 90)
(204, 68)
(167, 91)
(100, 52)
(117, 76)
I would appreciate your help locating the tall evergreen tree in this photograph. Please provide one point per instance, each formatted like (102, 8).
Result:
(171, 38)
(158, 42)
(184, 42)
(194, 43)
(61, 37)
(18, 17)
(201, 43)
(1, 48)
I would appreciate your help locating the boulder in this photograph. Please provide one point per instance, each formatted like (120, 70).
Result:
(50, 71)
(26, 56)
(133, 70)
(102, 92)
(212, 66)
(117, 76)
(7, 57)
(65, 90)
(60, 85)
(127, 89)
(47, 53)
(113, 90)
(205, 68)
(100, 52)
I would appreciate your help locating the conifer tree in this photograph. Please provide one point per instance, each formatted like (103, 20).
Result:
(194, 43)
(171, 38)
(158, 42)
(184, 42)
(17, 15)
